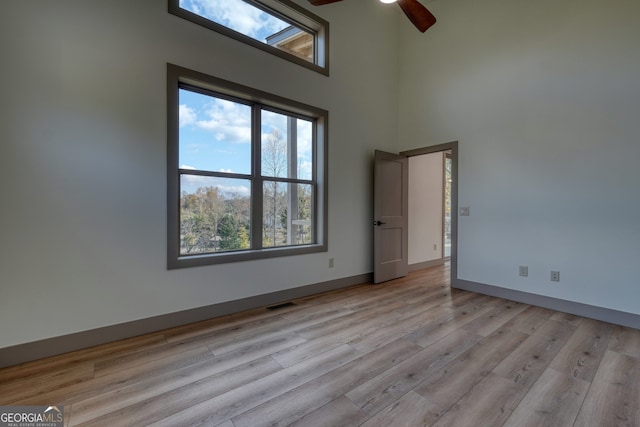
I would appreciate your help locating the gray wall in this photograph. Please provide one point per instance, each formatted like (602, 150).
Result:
(544, 98)
(83, 155)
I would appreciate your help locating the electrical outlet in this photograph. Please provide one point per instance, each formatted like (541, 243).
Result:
(465, 211)
(330, 262)
(435, 246)
(523, 271)
(555, 276)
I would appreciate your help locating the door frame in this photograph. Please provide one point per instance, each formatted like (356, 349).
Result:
(453, 147)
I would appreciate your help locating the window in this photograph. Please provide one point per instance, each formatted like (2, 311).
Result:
(280, 27)
(246, 173)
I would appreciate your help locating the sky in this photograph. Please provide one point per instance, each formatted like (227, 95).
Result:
(215, 136)
(237, 15)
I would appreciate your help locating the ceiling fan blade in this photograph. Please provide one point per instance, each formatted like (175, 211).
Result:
(417, 14)
(321, 2)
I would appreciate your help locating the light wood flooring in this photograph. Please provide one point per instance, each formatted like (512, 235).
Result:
(409, 352)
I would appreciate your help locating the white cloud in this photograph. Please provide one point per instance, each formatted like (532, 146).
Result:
(190, 183)
(237, 15)
(187, 115)
(234, 190)
(187, 167)
(305, 170)
(230, 121)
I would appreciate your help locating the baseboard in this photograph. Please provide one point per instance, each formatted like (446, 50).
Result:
(26, 352)
(593, 312)
(426, 264)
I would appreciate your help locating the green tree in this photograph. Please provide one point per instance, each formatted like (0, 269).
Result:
(200, 214)
(228, 233)
(245, 242)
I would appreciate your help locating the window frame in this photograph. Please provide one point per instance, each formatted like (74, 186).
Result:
(177, 77)
(285, 10)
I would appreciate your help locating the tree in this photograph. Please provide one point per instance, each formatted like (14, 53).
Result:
(274, 164)
(212, 220)
(200, 214)
(228, 234)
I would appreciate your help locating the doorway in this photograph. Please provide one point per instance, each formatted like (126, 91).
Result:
(448, 207)
(391, 212)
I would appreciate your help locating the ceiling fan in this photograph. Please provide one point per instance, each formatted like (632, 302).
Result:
(417, 13)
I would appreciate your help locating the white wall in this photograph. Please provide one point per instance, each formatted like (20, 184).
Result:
(83, 155)
(426, 187)
(544, 98)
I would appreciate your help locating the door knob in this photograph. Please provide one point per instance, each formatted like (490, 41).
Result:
(378, 222)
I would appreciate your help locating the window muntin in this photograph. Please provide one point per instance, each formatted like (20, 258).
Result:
(280, 27)
(246, 174)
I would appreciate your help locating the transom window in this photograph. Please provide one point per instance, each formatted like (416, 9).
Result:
(277, 26)
(246, 176)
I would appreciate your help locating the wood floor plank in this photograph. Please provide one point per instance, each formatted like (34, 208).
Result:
(398, 326)
(411, 409)
(526, 363)
(609, 405)
(239, 400)
(105, 384)
(625, 340)
(448, 320)
(350, 327)
(79, 357)
(142, 359)
(228, 339)
(489, 403)
(554, 400)
(581, 355)
(529, 320)
(382, 390)
(338, 412)
(163, 405)
(296, 403)
(211, 326)
(456, 378)
(614, 396)
(490, 321)
(570, 319)
(295, 354)
(148, 387)
(33, 387)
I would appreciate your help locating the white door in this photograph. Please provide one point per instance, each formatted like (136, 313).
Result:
(390, 221)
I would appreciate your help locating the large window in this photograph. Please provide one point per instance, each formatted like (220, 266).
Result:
(280, 27)
(246, 173)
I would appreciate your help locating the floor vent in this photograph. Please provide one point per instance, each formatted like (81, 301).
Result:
(280, 306)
